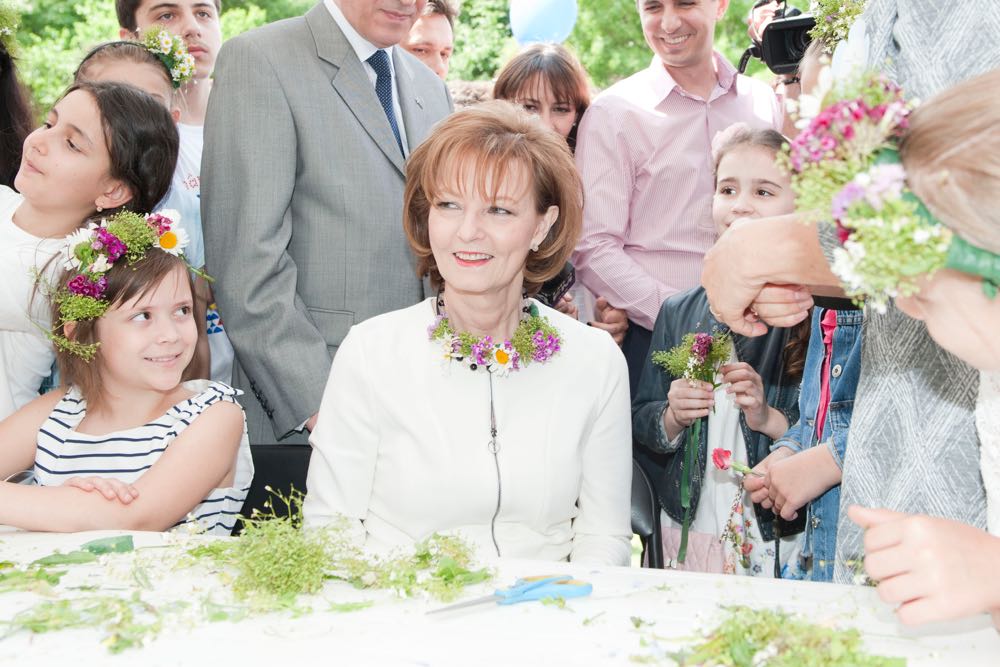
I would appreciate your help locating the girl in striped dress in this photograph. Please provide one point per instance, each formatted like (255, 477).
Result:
(124, 444)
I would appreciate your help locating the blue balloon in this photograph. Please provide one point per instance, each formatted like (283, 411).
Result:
(542, 20)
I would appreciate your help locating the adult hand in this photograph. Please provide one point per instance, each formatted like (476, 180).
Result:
(747, 389)
(566, 306)
(757, 486)
(782, 305)
(729, 284)
(311, 423)
(110, 488)
(687, 400)
(935, 569)
(611, 319)
(797, 480)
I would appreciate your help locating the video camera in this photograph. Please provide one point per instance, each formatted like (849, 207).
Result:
(783, 42)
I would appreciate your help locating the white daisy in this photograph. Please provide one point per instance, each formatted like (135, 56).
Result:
(173, 241)
(501, 361)
(82, 235)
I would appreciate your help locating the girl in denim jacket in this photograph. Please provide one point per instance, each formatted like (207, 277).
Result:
(805, 465)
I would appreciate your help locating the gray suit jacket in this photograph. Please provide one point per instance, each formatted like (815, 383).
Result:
(302, 193)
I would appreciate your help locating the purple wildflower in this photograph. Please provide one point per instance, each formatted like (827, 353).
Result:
(81, 285)
(160, 223)
(701, 347)
(481, 350)
(113, 244)
(842, 201)
(545, 346)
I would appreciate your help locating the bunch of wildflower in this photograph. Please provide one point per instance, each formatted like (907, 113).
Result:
(834, 19)
(698, 357)
(859, 118)
(172, 52)
(888, 237)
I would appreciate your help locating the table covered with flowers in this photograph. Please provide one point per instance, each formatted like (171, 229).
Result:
(156, 605)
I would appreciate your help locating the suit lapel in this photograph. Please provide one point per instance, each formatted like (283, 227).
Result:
(410, 100)
(352, 83)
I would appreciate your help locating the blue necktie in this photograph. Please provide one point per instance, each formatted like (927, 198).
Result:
(383, 88)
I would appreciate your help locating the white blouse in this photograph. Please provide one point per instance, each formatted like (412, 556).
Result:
(401, 446)
(26, 355)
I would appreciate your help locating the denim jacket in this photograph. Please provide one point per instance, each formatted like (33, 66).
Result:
(681, 314)
(817, 556)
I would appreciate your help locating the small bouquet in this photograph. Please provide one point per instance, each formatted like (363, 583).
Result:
(723, 460)
(698, 357)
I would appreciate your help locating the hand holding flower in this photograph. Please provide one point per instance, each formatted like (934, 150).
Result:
(687, 400)
(756, 484)
(935, 569)
(797, 480)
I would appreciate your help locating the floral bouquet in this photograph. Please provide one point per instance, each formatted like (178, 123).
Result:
(698, 357)
(859, 118)
(834, 19)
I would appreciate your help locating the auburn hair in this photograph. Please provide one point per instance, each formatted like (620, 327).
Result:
(493, 140)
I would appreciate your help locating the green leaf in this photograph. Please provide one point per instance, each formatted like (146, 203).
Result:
(70, 558)
(106, 545)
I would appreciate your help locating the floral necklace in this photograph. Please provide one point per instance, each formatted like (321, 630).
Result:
(534, 339)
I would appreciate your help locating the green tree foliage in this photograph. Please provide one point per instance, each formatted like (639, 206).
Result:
(607, 37)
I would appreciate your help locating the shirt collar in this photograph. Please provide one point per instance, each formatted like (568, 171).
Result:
(362, 47)
(664, 84)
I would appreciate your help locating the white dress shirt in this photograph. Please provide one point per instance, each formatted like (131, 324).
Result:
(401, 447)
(365, 50)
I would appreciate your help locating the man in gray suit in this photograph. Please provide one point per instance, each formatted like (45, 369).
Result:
(308, 127)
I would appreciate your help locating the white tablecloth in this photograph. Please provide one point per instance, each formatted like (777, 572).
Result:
(673, 605)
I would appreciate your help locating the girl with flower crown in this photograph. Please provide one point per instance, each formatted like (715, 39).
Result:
(102, 147)
(481, 411)
(949, 159)
(160, 64)
(753, 404)
(125, 443)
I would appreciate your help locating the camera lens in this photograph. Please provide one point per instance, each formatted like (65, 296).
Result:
(796, 43)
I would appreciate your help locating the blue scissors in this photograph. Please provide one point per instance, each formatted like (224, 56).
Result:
(527, 589)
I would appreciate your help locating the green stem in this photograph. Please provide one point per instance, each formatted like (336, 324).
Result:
(690, 447)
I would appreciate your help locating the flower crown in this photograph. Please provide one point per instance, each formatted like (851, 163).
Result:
(89, 255)
(10, 20)
(172, 52)
(845, 166)
(834, 19)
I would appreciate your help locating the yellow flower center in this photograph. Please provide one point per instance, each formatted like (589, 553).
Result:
(502, 357)
(168, 240)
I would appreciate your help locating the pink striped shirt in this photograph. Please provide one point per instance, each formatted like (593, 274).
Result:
(644, 153)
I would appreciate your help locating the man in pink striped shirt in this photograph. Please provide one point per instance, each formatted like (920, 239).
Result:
(644, 153)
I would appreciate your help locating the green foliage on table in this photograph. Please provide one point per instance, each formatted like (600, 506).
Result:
(749, 637)
(126, 622)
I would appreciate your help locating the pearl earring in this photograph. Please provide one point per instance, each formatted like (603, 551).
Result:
(534, 247)
(100, 208)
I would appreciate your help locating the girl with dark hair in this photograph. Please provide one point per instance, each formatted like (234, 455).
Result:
(753, 402)
(15, 107)
(125, 444)
(102, 148)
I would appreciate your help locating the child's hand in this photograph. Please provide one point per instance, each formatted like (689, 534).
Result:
(747, 390)
(757, 486)
(782, 305)
(935, 569)
(800, 479)
(110, 488)
(687, 400)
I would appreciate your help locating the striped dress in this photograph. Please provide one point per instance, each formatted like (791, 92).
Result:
(64, 452)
